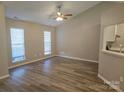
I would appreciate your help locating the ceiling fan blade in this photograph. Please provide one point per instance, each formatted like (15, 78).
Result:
(68, 15)
(54, 18)
(65, 18)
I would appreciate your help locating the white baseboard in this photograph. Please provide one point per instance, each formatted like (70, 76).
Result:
(17, 65)
(29, 62)
(109, 83)
(5, 76)
(76, 58)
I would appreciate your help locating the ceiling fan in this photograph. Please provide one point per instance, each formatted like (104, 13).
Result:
(60, 16)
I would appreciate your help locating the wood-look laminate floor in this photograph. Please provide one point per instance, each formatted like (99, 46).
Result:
(55, 74)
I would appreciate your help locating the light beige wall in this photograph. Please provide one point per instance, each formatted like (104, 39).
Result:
(34, 45)
(79, 37)
(3, 44)
(111, 67)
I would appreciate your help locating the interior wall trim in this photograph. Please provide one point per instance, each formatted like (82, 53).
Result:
(14, 66)
(76, 58)
(110, 84)
(5, 76)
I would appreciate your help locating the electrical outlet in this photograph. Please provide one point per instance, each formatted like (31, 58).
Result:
(121, 79)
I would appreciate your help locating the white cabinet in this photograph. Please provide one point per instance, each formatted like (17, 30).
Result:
(110, 33)
(120, 33)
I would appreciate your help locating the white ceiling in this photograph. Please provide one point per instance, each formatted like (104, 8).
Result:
(40, 11)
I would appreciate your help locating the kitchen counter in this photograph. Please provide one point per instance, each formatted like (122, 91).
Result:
(113, 53)
(116, 49)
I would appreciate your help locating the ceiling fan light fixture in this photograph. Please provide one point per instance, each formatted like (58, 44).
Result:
(58, 13)
(59, 19)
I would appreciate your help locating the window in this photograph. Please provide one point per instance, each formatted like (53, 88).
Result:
(47, 42)
(17, 44)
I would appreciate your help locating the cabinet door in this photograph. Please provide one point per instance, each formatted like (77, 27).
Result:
(109, 33)
(120, 32)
